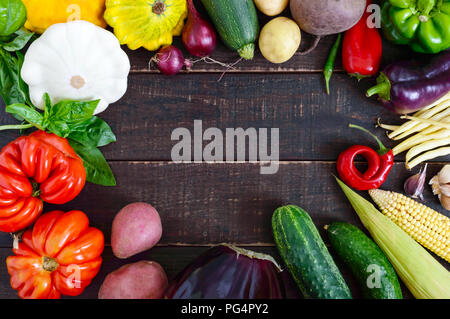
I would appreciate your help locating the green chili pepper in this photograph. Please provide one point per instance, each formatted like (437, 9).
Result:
(422, 24)
(328, 68)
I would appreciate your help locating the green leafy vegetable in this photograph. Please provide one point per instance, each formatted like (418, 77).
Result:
(13, 15)
(94, 132)
(27, 113)
(97, 169)
(23, 36)
(73, 120)
(13, 38)
(12, 88)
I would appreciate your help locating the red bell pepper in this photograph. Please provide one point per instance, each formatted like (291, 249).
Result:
(379, 165)
(362, 49)
(59, 256)
(37, 168)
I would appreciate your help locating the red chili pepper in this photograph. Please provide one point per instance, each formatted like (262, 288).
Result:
(380, 163)
(362, 49)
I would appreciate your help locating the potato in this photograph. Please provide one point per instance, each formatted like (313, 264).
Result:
(279, 39)
(323, 17)
(136, 228)
(141, 280)
(271, 7)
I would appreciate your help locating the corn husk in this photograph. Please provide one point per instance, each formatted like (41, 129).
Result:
(423, 275)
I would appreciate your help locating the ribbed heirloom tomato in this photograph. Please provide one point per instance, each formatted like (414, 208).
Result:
(36, 168)
(59, 256)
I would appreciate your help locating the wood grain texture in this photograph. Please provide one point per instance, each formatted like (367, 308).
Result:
(173, 260)
(312, 62)
(313, 125)
(204, 204)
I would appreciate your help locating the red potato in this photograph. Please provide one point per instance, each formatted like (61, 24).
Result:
(136, 228)
(140, 280)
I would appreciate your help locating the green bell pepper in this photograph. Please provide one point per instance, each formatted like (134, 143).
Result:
(422, 24)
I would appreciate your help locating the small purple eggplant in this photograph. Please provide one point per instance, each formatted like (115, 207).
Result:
(408, 86)
(229, 272)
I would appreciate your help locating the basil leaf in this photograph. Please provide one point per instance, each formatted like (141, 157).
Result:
(12, 88)
(59, 128)
(13, 15)
(72, 112)
(20, 41)
(97, 169)
(94, 132)
(29, 114)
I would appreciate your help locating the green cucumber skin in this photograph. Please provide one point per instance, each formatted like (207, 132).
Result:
(306, 255)
(359, 252)
(236, 21)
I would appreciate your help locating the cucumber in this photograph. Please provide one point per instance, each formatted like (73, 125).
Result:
(236, 22)
(366, 261)
(306, 255)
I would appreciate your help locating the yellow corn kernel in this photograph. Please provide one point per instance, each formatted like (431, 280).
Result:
(428, 227)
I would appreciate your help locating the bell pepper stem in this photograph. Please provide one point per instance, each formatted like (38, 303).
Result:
(16, 127)
(383, 149)
(383, 88)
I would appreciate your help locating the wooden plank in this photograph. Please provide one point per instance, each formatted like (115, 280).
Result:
(204, 204)
(313, 125)
(312, 62)
(173, 260)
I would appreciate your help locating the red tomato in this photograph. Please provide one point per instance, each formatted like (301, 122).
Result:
(36, 168)
(59, 256)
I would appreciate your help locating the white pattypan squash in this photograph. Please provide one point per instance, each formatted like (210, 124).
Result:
(76, 61)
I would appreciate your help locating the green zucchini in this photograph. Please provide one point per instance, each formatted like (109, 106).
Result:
(365, 259)
(236, 22)
(306, 255)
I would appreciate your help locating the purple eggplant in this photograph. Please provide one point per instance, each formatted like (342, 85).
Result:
(229, 272)
(408, 86)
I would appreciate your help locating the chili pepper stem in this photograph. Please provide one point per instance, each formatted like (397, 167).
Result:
(383, 149)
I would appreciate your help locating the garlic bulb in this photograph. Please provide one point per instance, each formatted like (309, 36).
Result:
(441, 186)
(414, 185)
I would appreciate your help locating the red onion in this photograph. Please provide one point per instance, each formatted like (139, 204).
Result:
(198, 36)
(170, 60)
(229, 272)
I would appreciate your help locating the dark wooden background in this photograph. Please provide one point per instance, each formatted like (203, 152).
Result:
(202, 205)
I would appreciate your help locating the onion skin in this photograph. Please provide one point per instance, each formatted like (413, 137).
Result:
(198, 35)
(223, 272)
(169, 60)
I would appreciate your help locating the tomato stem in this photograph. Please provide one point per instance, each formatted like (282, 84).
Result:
(49, 264)
(36, 189)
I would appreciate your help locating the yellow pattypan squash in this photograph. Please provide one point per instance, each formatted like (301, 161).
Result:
(146, 23)
(44, 13)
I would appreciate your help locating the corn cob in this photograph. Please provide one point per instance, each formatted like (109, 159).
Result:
(425, 225)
